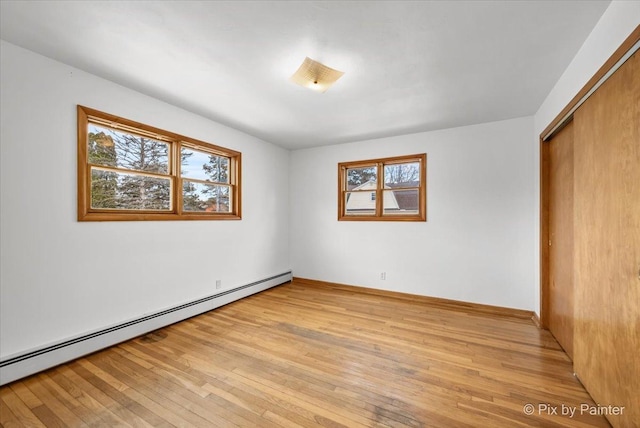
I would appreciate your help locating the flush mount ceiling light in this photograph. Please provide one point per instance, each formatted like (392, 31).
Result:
(314, 75)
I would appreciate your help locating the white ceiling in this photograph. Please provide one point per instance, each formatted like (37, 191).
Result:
(409, 66)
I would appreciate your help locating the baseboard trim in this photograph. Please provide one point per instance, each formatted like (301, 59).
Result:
(457, 305)
(27, 363)
(536, 320)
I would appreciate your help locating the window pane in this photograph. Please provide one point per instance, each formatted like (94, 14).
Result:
(401, 202)
(402, 175)
(205, 197)
(360, 178)
(127, 191)
(204, 166)
(360, 203)
(113, 148)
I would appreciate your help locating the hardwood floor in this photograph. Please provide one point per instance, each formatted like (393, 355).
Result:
(315, 355)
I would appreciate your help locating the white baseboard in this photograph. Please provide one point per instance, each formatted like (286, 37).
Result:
(27, 363)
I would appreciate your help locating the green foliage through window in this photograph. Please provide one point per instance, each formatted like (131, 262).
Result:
(130, 167)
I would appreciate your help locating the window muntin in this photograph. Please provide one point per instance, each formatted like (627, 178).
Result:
(131, 171)
(402, 197)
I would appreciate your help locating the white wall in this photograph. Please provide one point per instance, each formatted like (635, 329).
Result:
(61, 278)
(478, 243)
(615, 25)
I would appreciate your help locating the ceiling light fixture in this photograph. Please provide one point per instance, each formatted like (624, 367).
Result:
(314, 75)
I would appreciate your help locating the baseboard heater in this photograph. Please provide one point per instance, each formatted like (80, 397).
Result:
(27, 363)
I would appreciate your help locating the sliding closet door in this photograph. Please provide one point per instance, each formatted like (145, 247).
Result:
(607, 243)
(560, 321)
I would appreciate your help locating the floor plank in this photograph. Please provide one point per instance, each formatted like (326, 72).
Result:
(308, 355)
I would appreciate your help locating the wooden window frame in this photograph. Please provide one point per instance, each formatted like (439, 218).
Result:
(175, 142)
(379, 211)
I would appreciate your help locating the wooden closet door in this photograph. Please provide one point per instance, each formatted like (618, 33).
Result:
(607, 243)
(560, 312)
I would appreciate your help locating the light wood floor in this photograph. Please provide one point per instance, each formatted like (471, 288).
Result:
(308, 355)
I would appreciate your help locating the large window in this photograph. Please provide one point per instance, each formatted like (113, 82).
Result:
(388, 189)
(131, 171)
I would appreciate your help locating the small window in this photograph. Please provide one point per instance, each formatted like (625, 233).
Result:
(388, 189)
(131, 171)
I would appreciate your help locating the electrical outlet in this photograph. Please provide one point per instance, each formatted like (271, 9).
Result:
(383, 276)
(218, 284)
